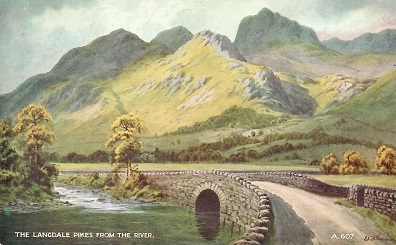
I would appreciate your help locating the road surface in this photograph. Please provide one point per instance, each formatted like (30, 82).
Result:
(325, 221)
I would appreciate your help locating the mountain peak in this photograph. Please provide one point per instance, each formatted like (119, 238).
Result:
(265, 11)
(222, 44)
(105, 56)
(173, 38)
(266, 28)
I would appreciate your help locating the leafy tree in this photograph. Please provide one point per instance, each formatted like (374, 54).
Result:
(386, 159)
(329, 164)
(33, 121)
(8, 158)
(124, 129)
(99, 156)
(354, 163)
(74, 157)
(8, 155)
(53, 156)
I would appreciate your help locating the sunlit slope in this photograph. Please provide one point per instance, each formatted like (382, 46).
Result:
(376, 106)
(334, 90)
(189, 86)
(202, 79)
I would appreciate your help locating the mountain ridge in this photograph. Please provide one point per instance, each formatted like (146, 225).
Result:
(117, 73)
(383, 42)
(103, 58)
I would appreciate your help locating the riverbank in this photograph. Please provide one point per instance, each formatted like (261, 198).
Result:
(22, 207)
(62, 200)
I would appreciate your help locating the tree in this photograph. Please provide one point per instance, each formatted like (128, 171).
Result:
(386, 159)
(99, 156)
(8, 155)
(329, 164)
(33, 121)
(354, 163)
(124, 129)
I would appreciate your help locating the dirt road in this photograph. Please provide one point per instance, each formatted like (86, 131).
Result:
(326, 222)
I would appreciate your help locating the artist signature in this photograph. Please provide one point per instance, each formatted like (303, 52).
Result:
(376, 238)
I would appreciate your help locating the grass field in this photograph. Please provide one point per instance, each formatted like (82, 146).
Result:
(376, 180)
(386, 224)
(185, 166)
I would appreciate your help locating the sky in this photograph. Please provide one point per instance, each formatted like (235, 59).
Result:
(34, 34)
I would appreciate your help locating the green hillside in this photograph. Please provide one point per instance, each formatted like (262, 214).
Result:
(375, 107)
(190, 86)
(201, 94)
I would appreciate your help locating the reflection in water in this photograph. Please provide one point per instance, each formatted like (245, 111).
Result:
(207, 213)
(208, 225)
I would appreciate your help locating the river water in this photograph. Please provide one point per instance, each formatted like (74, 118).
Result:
(96, 218)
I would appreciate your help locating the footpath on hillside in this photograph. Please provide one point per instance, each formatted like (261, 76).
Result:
(320, 221)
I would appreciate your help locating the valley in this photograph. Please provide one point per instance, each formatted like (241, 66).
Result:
(282, 81)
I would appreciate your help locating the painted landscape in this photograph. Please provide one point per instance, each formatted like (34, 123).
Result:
(276, 98)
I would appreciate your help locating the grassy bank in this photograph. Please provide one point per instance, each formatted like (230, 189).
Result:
(387, 225)
(186, 166)
(376, 180)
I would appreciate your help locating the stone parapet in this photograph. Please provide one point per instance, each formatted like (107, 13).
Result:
(300, 181)
(242, 204)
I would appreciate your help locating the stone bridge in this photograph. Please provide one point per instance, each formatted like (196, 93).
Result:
(238, 202)
(245, 206)
(234, 200)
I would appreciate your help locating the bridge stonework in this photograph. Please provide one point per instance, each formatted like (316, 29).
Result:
(242, 204)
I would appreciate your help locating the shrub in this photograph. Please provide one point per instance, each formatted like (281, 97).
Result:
(329, 164)
(386, 159)
(354, 163)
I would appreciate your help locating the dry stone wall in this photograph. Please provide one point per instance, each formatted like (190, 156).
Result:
(380, 199)
(242, 204)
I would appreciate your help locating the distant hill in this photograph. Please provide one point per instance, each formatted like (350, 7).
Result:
(267, 29)
(173, 38)
(383, 42)
(101, 59)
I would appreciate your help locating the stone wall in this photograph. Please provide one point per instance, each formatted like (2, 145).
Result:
(299, 181)
(242, 204)
(380, 199)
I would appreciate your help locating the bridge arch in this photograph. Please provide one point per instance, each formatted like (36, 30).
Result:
(209, 198)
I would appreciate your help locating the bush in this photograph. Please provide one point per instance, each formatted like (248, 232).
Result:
(329, 164)
(386, 159)
(354, 163)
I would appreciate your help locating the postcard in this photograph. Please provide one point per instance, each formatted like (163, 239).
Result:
(197, 122)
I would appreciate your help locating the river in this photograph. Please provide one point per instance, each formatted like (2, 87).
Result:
(96, 218)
